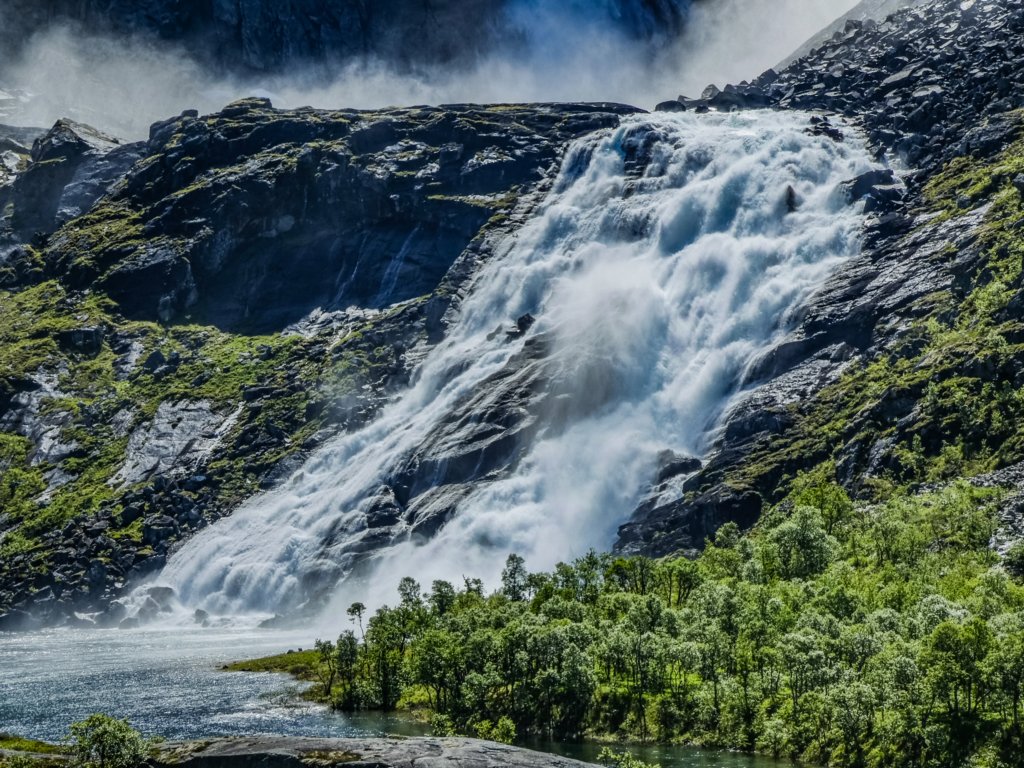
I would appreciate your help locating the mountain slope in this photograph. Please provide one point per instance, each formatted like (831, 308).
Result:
(271, 35)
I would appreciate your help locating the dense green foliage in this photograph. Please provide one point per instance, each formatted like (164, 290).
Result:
(841, 633)
(101, 741)
(615, 759)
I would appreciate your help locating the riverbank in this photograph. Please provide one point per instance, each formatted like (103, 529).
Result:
(300, 664)
(15, 749)
(296, 752)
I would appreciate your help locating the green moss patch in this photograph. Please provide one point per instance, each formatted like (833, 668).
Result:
(19, 744)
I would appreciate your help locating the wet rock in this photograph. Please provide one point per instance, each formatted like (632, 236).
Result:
(671, 464)
(523, 324)
(674, 105)
(149, 610)
(863, 185)
(114, 615)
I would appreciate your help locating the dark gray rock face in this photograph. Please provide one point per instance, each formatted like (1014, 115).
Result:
(269, 752)
(919, 80)
(371, 208)
(866, 10)
(270, 35)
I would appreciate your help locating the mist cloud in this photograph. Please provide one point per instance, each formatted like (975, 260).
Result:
(123, 84)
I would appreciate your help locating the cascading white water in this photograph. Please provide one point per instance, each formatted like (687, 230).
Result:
(655, 292)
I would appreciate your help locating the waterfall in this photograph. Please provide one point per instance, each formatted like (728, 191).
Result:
(671, 253)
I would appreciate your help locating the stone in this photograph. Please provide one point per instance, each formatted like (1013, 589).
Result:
(868, 183)
(671, 465)
(177, 440)
(70, 168)
(674, 105)
(87, 341)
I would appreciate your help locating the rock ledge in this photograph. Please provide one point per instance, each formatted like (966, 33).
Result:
(293, 752)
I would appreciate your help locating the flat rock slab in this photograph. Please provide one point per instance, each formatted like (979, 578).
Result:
(288, 752)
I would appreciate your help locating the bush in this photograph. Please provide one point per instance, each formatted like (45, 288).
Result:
(504, 731)
(441, 725)
(19, 761)
(621, 760)
(101, 741)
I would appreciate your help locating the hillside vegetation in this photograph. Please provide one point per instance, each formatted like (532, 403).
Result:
(839, 633)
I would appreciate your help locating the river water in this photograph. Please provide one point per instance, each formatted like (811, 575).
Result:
(170, 683)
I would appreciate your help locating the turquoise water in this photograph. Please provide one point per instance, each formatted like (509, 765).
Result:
(170, 683)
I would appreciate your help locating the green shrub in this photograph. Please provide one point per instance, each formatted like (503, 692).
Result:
(442, 725)
(1014, 559)
(614, 759)
(101, 741)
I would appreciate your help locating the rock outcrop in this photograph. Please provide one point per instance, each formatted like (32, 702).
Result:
(268, 752)
(69, 168)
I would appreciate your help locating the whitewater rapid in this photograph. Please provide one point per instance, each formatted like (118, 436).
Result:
(654, 290)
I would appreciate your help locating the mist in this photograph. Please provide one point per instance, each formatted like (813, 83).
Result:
(123, 84)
